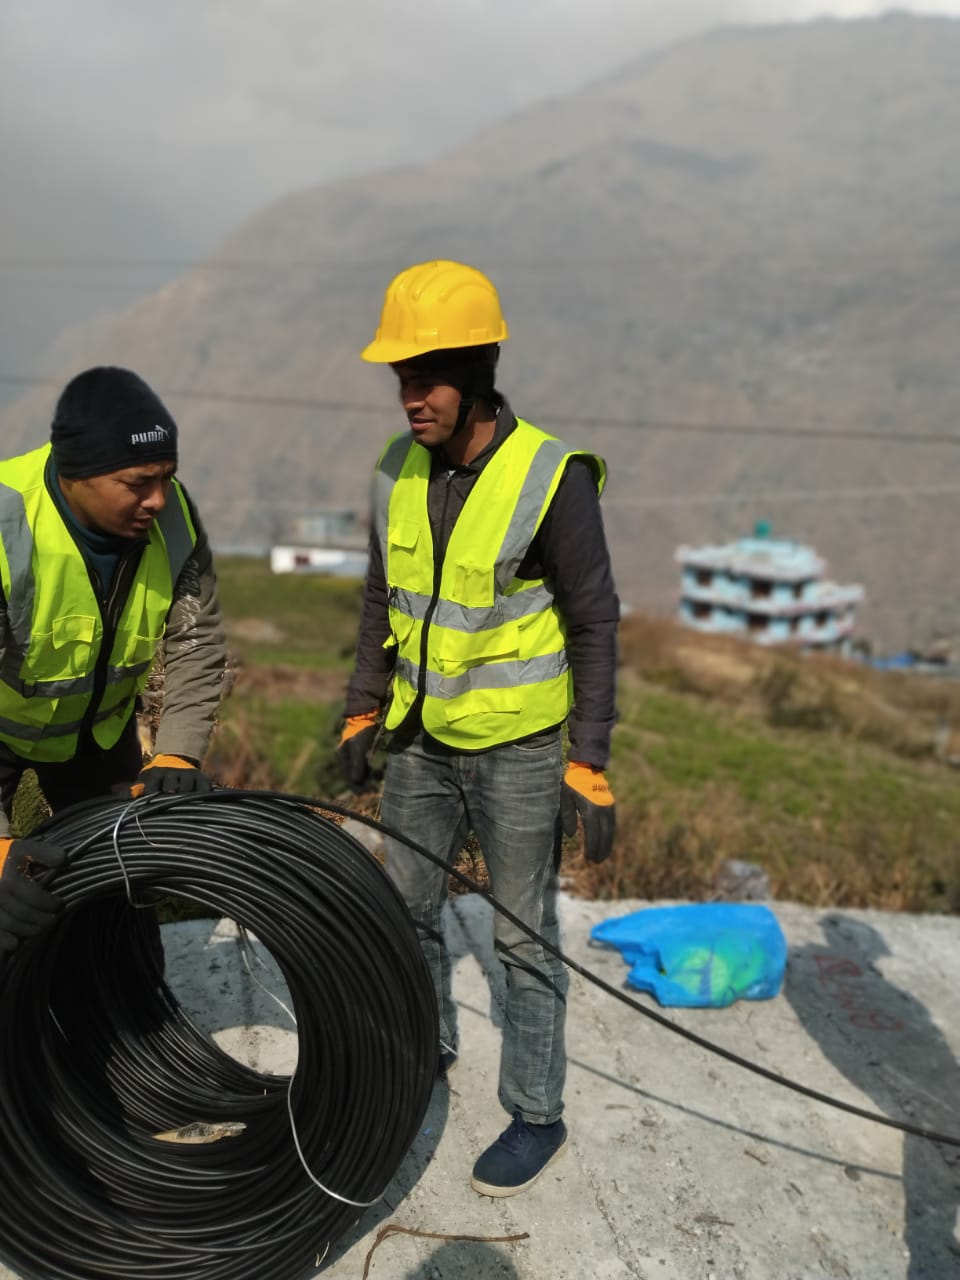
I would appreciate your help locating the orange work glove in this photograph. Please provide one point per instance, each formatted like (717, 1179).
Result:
(586, 793)
(169, 775)
(353, 751)
(25, 907)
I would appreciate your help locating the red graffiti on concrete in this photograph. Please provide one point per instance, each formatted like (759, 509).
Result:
(842, 981)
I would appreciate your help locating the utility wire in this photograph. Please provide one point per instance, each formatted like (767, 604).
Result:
(218, 262)
(104, 1058)
(780, 495)
(584, 421)
(919, 1131)
(679, 501)
(230, 397)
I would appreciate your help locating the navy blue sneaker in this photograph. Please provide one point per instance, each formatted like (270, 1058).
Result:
(518, 1157)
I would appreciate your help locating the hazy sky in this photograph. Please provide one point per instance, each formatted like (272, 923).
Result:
(206, 109)
(143, 131)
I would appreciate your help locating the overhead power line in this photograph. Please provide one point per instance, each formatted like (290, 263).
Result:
(614, 258)
(631, 501)
(232, 397)
(837, 432)
(547, 418)
(775, 495)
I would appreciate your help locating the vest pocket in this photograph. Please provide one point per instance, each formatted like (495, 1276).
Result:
(482, 707)
(403, 564)
(63, 652)
(460, 651)
(472, 584)
(132, 649)
(401, 628)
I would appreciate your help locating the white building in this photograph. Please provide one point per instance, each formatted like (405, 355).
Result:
(771, 590)
(332, 542)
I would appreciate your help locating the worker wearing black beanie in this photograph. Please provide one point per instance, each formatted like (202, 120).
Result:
(104, 566)
(108, 419)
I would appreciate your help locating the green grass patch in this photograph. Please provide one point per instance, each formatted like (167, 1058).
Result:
(278, 744)
(833, 819)
(836, 817)
(287, 618)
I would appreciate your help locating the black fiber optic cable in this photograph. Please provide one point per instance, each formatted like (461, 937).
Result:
(876, 1117)
(163, 1224)
(97, 1057)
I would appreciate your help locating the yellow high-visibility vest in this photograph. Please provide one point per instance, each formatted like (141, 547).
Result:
(485, 650)
(52, 630)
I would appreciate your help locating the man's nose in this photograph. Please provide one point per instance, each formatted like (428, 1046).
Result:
(156, 499)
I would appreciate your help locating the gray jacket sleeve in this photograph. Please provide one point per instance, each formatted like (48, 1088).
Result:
(375, 656)
(574, 555)
(194, 657)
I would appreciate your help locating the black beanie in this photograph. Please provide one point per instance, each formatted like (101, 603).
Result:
(108, 419)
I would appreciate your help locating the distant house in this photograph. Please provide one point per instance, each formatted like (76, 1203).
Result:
(770, 590)
(332, 541)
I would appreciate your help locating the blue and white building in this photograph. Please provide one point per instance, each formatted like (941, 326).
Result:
(770, 590)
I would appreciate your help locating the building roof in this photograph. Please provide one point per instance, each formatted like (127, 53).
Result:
(772, 558)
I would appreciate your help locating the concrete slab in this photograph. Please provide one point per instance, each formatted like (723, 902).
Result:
(681, 1166)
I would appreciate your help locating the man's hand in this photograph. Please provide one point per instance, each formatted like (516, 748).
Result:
(353, 751)
(169, 776)
(586, 792)
(26, 909)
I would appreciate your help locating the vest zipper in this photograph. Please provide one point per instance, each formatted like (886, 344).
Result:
(435, 597)
(110, 611)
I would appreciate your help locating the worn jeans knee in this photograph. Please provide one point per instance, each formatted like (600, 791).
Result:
(509, 797)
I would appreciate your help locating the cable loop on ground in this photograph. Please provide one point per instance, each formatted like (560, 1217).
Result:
(97, 1056)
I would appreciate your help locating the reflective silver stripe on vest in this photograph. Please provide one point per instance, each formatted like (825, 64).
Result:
(17, 541)
(523, 521)
(75, 685)
(33, 733)
(492, 675)
(472, 618)
(385, 477)
(51, 688)
(116, 674)
(172, 523)
(526, 512)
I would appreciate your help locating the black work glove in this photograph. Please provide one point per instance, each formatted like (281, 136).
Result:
(353, 751)
(169, 776)
(586, 792)
(26, 908)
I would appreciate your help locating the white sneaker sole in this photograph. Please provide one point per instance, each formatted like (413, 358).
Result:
(488, 1188)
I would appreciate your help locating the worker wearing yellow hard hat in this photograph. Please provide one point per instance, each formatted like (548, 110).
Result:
(435, 306)
(488, 624)
(443, 316)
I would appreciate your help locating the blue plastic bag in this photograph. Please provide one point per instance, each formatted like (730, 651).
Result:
(700, 955)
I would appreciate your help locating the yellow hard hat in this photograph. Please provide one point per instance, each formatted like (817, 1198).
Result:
(433, 306)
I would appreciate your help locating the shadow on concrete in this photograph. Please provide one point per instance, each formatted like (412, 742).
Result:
(462, 1260)
(474, 936)
(884, 1041)
(415, 1162)
(224, 980)
(467, 936)
(228, 983)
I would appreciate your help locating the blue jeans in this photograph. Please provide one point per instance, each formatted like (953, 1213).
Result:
(509, 797)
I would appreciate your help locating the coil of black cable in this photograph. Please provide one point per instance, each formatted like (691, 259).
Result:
(97, 1056)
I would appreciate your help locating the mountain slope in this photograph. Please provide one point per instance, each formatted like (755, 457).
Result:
(758, 227)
